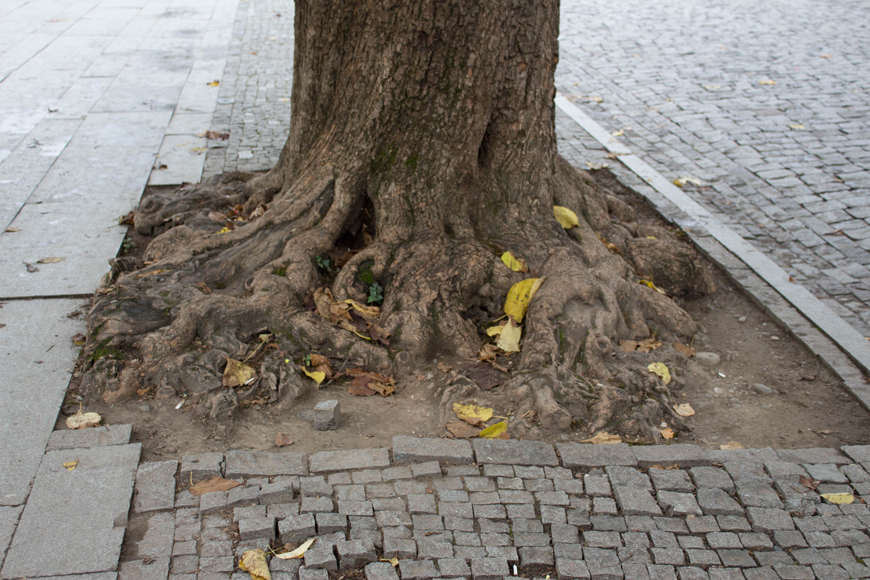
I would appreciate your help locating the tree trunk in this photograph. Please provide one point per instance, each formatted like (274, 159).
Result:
(423, 135)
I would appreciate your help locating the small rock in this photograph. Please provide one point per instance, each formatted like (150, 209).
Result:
(762, 389)
(774, 338)
(327, 415)
(145, 408)
(741, 319)
(708, 359)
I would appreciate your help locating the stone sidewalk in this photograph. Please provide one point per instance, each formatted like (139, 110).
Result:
(482, 509)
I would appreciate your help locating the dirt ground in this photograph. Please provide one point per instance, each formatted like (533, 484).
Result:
(806, 405)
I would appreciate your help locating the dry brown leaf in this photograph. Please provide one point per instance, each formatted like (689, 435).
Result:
(203, 287)
(667, 433)
(444, 367)
(321, 364)
(282, 440)
(215, 483)
(78, 339)
(50, 260)
(603, 438)
(238, 373)
(645, 345)
(360, 391)
(685, 349)
(808, 483)
(684, 410)
(462, 430)
(255, 563)
(488, 352)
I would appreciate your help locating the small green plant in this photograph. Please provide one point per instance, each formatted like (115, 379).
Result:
(220, 285)
(127, 245)
(376, 294)
(307, 360)
(280, 271)
(323, 264)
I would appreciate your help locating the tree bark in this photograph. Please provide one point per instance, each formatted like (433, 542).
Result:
(429, 127)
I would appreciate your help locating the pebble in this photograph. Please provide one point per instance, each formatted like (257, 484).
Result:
(762, 389)
(708, 359)
(145, 408)
(741, 319)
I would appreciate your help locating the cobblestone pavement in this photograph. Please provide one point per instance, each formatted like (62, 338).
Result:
(492, 509)
(787, 165)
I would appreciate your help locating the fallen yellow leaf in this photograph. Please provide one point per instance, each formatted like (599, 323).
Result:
(596, 99)
(394, 561)
(83, 420)
(566, 218)
(509, 337)
(318, 376)
(213, 83)
(254, 563)
(519, 296)
(839, 498)
(238, 373)
(731, 445)
(825, 55)
(619, 133)
(684, 410)
(495, 330)
(472, 414)
(12, 230)
(649, 284)
(661, 370)
(767, 82)
(796, 126)
(50, 260)
(70, 465)
(514, 263)
(603, 438)
(681, 181)
(494, 431)
(298, 552)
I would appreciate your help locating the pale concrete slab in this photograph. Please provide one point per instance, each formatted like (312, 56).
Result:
(198, 96)
(81, 98)
(189, 123)
(74, 520)
(8, 520)
(183, 156)
(36, 356)
(107, 65)
(22, 171)
(84, 234)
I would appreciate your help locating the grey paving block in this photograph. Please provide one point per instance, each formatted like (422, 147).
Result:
(455, 451)
(588, 455)
(201, 466)
(681, 454)
(327, 461)
(94, 437)
(81, 536)
(678, 504)
(715, 502)
(813, 455)
(381, 571)
(157, 569)
(157, 542)
(514, 452)
(769, 520)
(859, 453)
(33, 379)
(155, 486)
(264, 464)
(636, 502)
(8, 520)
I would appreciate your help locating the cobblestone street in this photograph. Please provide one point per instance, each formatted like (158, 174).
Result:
(784, 163)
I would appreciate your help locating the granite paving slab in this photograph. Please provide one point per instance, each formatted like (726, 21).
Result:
(75, 517)
(514, 452)
(180, 160)
(8, 519)
(94, 437)
(36, 355)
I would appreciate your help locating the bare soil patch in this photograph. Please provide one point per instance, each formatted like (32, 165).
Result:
(807, 405)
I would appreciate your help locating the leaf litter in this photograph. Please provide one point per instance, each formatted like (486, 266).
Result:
(214, 483)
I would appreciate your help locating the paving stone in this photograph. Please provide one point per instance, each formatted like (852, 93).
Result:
(733, 523)
(826, 473)
(787, 572)
(244, 495)
(859, 453)
(596, 485)
(329, 523)
(703, 558)
(702, 525)
(695, 573)
(282, 510)
(768, 520)
(92, 526)
(347, 460)
(536, 557)
(159, 536)
(736, 558)
(202, 466)
(155, 486)
(417, 569)
(681, 454)
(668, 556)
(353, 554)
(813, 455)
(157, 569)
(250, 463)
(723, 540)
(309, 574)
(671, 480)
(399, 548)
(316, 504)
(381, 571)
(321, 558)
(514, 452)
(296, 529)
(678, 504)
(784, 470)
(716, 502)
(257, 528)
(621, 476)
(453, 567)
(394, 473)
(213, 502)
(434, 547)
(712, 477)
(409, 449)
(664, 539)
(636, 501)
(93, 437)
(588, 455)
(426, 469)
